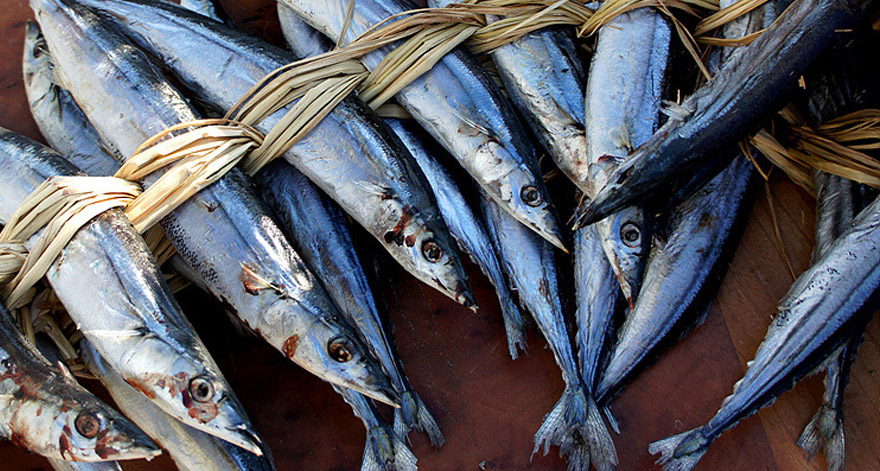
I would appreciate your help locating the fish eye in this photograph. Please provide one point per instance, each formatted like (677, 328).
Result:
(431, 251)
(530, 195)
(201, 389)
(630, 234)
(87, 424)
(339, 351)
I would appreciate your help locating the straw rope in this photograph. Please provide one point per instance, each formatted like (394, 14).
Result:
(202, 155)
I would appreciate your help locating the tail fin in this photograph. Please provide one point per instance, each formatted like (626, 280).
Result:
(680, 452)
(386, 451)
(825, 430)
(575, 426)
(413, 414)
(514, 325)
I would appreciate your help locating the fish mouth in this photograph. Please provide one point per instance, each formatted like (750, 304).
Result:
(543, 222)
(382, 393)
(241, 435)
(130, 445)
(465, 297)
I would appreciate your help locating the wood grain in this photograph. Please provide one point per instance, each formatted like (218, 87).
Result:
(489, 406)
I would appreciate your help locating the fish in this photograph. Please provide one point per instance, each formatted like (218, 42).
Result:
(682, 274)
(317, 227)
(835, 210)
(50, 352)
(384, 449)
(545, 80)
(48, 413)
(178, 446)
(462, 108)
(224, 232)
(622, 110)
(109, 282)
(820, 312)
(55, 111)
(575, 423)
(300, 37)
(727, 108)
(596, 293)
(190, 449)
(689, 257)
(350, 155)
(840, 83)
(466, 227)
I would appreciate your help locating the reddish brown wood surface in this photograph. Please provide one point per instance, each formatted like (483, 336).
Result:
(489, 406)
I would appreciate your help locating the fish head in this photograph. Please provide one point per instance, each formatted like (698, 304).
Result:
(626, 241)
(37, 65)
(189, 387)
(56, 417)
(525, 196)
(330, 349)
(422, 244)
(94, 432)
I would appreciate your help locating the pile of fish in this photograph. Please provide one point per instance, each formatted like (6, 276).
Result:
(659, 194)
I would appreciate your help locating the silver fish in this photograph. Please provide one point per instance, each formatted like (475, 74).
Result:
(840, 82)
(725, 110)
(467, 228)
(835, 210)
(190, 449)
(202, 7)
(820, 312)
(462, 108)
(622, 111)
(464, 225)
(596, 291)
(47, 412)
(182, 441)
(108, 281)
(301, 38)
(55, 111)
(574, 424)
(349, 155)
(51, 353)
(544, 79)
(318, 229)
(687, 264)
(384, 450)
(682, 273)
(223, 232)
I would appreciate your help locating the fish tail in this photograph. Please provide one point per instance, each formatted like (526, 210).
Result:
(575, 425)
(602, 451)
(825, 430)
(680, 452)
(514, 326)
(414, 414)
(386, 451)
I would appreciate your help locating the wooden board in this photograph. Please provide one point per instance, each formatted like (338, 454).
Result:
(489, 406)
